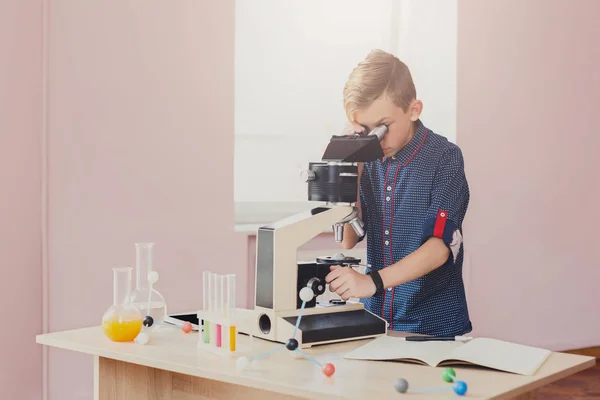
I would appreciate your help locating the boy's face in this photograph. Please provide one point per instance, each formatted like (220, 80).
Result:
(400, 125)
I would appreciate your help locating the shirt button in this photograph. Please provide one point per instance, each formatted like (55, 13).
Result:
(387, 232)
(387, 242)
(387, 198)
(389, 188)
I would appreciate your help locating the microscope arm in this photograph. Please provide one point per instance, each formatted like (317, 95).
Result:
(302, 227)
(277, 248)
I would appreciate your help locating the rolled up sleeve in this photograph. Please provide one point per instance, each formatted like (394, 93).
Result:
(449, 202)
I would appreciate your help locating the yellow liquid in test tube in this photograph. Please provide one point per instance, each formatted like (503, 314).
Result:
(118, 329)
(231, 310)
(232, 338)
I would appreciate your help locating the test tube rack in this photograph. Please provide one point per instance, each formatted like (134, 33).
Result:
(219, 333)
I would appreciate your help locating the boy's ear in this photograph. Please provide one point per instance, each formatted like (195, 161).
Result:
(416, 109)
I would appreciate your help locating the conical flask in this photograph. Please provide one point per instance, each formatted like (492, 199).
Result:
(147, 301)
(122, 322)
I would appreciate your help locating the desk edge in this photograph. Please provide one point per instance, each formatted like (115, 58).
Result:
(275, 387)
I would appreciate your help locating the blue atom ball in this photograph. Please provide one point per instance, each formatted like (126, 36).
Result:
(401, 385)
(460, 388)
(291, 344)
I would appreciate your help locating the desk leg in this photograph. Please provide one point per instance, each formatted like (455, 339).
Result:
(117, 380)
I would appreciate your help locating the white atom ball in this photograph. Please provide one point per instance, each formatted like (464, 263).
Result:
(242, 363)
(339, 256)
(142, 338)
(153, 277)
(306, 294)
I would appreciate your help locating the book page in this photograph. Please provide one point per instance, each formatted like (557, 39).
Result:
(396, 348)
(500, 355)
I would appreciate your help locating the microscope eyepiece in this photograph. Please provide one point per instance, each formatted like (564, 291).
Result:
(380, 131)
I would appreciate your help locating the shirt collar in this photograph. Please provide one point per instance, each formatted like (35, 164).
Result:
(405, 155)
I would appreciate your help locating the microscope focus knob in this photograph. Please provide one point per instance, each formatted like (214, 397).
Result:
(307, 175)
(317, 285)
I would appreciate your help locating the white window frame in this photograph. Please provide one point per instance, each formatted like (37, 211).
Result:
(422, 33)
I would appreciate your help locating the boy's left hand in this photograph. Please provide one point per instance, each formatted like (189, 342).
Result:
(347, 283)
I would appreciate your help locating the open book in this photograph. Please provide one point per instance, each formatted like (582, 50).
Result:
(490, 353)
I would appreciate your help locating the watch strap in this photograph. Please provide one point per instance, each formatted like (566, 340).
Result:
(379, 289)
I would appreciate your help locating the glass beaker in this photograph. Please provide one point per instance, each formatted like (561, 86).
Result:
(148, 302)
(122, 322)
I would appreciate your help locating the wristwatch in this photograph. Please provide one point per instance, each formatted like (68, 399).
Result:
(379, 289)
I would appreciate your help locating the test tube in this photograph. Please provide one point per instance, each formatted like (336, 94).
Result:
(216, 334)
(206, 283)
(222, 295)
(231, 310)
(222, 312)
(205, 277)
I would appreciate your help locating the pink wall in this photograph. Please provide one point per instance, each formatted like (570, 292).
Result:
(528, 99)
(20, 198)
(130, 159)
(140, 149)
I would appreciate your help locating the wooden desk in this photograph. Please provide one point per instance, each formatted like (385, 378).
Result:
(171, 367)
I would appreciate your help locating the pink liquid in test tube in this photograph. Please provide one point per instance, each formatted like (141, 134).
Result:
(219, 308)
(213, 310)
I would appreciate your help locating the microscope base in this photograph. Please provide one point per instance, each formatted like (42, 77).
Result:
(319, 325)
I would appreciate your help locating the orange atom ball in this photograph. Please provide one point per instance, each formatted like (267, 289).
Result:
(328, 369)
(187, 327)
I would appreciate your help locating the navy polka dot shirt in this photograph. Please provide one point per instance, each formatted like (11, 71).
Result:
(420, 192)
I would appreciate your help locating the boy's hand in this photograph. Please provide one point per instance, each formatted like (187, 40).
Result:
(351, 129)
(347, 283)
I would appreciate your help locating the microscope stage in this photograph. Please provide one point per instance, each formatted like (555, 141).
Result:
(338, 326)
(318, 325)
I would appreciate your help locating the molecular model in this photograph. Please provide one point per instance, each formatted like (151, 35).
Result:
(143, 337)
(459, 387)
(306, 295)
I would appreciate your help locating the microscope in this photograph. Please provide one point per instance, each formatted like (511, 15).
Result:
(280, 276)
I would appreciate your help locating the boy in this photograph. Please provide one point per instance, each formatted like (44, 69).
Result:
(412, 202)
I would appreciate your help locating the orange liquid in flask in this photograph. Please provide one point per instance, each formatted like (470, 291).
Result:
(119, 329)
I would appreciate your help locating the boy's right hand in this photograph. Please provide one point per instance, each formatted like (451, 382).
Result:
(351, 129)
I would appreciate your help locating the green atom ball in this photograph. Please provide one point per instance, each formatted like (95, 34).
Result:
(448, 375)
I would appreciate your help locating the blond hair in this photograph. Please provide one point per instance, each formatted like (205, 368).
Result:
(380, 72)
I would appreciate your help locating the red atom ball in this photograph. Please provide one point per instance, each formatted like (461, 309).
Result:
(187, 327)
(328, 369)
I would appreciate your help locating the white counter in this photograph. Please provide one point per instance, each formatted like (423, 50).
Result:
(249, 216)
